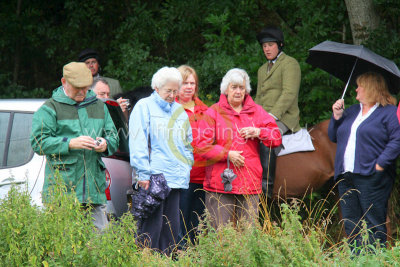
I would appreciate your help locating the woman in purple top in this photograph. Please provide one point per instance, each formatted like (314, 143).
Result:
(368, 143)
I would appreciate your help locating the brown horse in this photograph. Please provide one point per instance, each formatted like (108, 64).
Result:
(301, 173)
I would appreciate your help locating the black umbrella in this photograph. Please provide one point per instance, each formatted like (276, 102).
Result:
(346, 62)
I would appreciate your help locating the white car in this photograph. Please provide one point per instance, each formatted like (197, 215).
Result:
(21, 166)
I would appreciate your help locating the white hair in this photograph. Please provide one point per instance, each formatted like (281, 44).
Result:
(235, 76)
(165, 75)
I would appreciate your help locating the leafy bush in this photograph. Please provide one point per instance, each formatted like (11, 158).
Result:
(250, 246)
(136, 38)
(61, 234)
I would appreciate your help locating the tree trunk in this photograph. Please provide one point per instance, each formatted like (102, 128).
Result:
(17, 54)
(363, 18)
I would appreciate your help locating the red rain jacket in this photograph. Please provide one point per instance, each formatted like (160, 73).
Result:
(220, 134)
(198, 172)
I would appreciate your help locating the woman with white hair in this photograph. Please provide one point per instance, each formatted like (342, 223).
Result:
(231, 133)
(159, 143)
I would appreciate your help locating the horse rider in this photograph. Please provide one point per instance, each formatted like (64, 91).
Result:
(277, 92)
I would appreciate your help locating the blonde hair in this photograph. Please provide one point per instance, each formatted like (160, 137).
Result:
(376, 89)
(185, 71)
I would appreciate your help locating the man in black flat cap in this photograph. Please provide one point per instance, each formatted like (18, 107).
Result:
(277, 92)
(91, 58)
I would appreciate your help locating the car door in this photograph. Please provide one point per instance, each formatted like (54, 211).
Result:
(18, 163)
(118, 165)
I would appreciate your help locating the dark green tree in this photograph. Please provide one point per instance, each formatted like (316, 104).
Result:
(135, 38)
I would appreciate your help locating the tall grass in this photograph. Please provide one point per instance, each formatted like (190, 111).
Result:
(61, 234)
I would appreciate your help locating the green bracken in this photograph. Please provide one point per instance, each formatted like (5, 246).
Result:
(61, 234)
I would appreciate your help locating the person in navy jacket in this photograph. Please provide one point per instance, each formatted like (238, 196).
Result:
(368, 143)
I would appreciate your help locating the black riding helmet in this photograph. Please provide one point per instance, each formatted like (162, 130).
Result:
(271, 34)
(88, 53)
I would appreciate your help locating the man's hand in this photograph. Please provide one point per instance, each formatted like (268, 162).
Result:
(82, 142)
(100, 144)
(123, 103)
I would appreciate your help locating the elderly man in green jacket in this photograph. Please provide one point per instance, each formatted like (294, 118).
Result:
(277, 92)
(74, 130)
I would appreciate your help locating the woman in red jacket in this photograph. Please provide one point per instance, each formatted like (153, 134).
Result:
(231, 133)
(191, 201)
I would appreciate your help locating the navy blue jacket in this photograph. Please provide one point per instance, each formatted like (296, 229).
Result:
(377, 139)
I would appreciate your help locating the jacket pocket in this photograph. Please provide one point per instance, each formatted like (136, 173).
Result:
(67, 169)
(65, 164)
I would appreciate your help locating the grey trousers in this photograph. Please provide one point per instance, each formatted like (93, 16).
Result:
(225, 208)
(99, 216)
(283, 129)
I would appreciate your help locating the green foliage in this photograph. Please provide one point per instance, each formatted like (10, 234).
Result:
(62, 234)
(135, 38)
(34, 236)
(294, 242)
(292, 233)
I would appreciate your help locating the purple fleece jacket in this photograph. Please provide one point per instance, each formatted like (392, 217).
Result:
(377, 139)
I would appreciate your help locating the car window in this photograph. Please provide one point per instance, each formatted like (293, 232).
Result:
(15, 147)
(121, 124)
(20, 150)
(4, 120)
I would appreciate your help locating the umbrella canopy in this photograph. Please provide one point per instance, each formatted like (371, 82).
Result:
(144, 202)
(346, 62)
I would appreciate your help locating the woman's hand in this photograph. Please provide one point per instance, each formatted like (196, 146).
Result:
(144, 184)
(338, 109)
(236, 158)
(378, 168)
(249, 132)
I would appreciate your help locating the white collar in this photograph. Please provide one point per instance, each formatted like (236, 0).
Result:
(273, 61)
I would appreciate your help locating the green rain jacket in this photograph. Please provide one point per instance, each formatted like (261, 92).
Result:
(59, 120)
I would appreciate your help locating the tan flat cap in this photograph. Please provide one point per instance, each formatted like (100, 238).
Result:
(77, 74)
